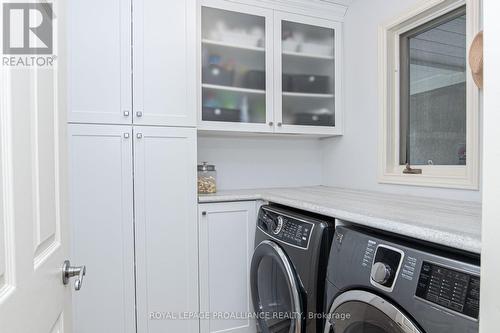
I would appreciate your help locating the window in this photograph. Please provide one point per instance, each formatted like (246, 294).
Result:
(429, 104)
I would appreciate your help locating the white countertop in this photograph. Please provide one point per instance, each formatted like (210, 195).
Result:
(451, 223)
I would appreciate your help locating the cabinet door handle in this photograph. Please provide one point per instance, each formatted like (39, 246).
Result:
(138, 114)
(126, 113)
(203, 213)
(126, 135)
(271, 123)
(139, 135)
(279, 124)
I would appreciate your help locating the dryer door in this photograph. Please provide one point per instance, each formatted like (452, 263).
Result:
(276, 291)
(358, 311)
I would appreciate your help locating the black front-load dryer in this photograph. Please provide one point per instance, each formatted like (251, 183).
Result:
(288, 270)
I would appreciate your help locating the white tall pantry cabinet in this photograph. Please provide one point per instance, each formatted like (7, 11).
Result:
(133, 163)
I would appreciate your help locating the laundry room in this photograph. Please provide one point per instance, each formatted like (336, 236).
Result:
(249, 166)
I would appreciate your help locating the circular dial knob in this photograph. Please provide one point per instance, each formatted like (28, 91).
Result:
(278, 225)
(380, 272)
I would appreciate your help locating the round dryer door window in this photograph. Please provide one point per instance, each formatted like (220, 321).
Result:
(358, 311)
(275, 290)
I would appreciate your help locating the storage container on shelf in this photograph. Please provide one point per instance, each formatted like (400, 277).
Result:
(207, 178)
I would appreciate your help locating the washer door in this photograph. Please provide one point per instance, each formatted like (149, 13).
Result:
(358, 311)
(275, 290)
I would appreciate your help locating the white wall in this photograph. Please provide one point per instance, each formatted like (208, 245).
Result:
(351, 160)
(256, 162)
(490, 265)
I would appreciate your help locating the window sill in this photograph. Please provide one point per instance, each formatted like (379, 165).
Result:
(457, 177)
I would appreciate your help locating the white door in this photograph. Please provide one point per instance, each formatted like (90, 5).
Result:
(33, 195)
(100, 61)
(166, 229)
(164, 58)
(227, 236)
(102, 226)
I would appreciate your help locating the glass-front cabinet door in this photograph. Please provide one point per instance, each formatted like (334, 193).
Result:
(307, 72)
(236, 85)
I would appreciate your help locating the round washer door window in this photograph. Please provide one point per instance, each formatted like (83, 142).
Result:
(275, 290)
(358, 311)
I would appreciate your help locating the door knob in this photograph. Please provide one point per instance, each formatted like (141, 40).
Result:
(69, 271)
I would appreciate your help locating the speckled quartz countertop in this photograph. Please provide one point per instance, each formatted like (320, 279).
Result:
(451, 223)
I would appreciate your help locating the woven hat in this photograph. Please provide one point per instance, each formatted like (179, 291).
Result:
(476, 59)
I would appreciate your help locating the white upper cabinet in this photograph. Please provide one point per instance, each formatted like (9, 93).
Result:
(164, 62)
(100, 61)
(236, 75)
(263, 70)
(307, 63)
(161, 81)
(223, 66)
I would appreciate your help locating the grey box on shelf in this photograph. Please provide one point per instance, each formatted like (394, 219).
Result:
(215, 74)
(305, 83)
(220, 114)
(311, 119)
(255, 79)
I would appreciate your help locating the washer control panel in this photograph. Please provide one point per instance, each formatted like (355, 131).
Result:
(454, 290)
(285, 228)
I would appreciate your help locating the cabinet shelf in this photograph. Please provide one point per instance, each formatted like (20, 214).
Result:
(311, 95)
(308, 55)
(232, 46)
(233, 89)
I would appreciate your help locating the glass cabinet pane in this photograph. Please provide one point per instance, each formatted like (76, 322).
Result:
(233, 67)
(308, 74)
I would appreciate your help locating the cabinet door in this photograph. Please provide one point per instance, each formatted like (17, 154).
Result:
(308, 65)
(166, 228)
(236, 67)
(227, 236)
(164, 62)
(101, 213)
(100, 68)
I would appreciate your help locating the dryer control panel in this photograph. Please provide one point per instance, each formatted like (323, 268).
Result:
(285, 228)
(455, 290)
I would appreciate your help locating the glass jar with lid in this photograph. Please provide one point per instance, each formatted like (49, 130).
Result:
(207, 178)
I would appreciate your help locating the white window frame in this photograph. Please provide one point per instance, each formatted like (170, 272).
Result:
(390, 170)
